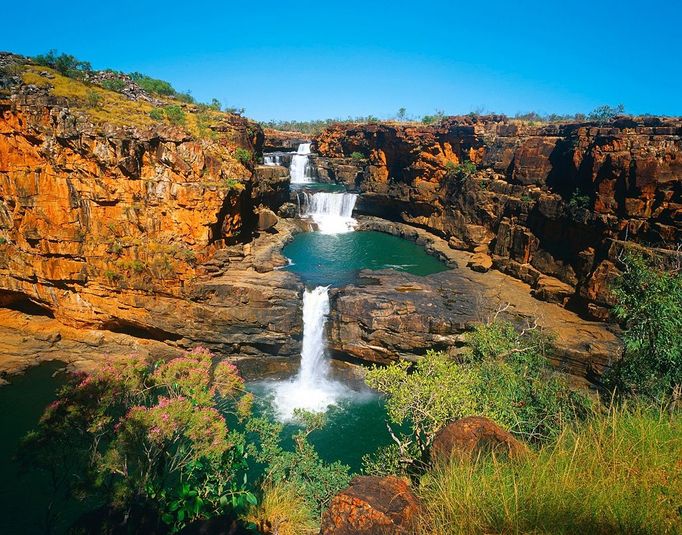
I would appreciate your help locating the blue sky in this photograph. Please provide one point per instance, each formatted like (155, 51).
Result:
(296, 60)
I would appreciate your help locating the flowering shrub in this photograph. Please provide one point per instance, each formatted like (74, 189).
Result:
(140, 433)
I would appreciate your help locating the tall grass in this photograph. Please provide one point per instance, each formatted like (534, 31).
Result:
(618, 473)
(283, 511)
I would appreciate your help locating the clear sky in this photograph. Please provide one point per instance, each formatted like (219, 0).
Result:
(319, 59)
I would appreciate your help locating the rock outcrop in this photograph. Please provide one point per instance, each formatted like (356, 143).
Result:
(558, 200)
(472, 436)
(389, 315)
(372, 506)
(148, 231)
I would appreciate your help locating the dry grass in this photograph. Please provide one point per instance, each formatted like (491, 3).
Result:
(282, 511)
(621, 473)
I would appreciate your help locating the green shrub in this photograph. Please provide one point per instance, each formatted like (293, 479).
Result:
(578, 202)
(604, 114)
(357, 156)
(317, 482)
(113, 276)
(618, 473)
(243, 156)
(114, 84)
(186, 97)
(152, 85)
(460, 171)
(139, 436)
(3, 240)
(64, 64)
(505, 375)
(175, 114)
(157, 114)
(649, 306)
(92, 99)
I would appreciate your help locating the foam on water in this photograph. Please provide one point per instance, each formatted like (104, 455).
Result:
(332, 213)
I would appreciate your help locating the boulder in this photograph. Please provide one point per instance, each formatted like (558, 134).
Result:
(371, 505)
(471, 436)
(480, 262)
(266, 219)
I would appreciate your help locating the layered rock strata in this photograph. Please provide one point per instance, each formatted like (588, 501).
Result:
(553, 205)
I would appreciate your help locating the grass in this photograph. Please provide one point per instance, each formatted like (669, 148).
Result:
(114, 108)
(619, 473)
(283, 511)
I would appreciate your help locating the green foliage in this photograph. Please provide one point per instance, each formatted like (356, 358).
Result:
(243, 156)
(175, 114)
(357, 156)
(317, 482)
(402, 114)
(604, 114)
(152, 85)
(433, 119)
(92, 99)
(505, 376)
(114, 84)
(133, 433)
(578, 202)
(3, 240)
(215, 104)
(64, 64)
(618, 473)
(157, 114)
(461, 171)
(113, 276)
(649, 306)
(185, 97)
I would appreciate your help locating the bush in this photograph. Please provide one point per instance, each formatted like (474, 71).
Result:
(618, 473)
(114, 84)
(64, 64)
(357, 156)
(604, 114)
(92, 99)
(578, 202)
(317, 482)
(157, 114)
(649, 306)
(505, 376)
(175, 114)
(460, 171)
(152, 85)
(151, 437)
(243, 156)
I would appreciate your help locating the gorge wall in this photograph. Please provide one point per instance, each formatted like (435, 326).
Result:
(553, 205)
(148, 231)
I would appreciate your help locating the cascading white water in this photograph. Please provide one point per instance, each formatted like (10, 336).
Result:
(272, 159)
(331, 212)
(299, 170)
(311, 389)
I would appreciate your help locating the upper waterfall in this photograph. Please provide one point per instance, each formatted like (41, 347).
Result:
(299, 170)
(331, 212)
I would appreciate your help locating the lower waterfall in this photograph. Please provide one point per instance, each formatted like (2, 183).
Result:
(311, 389)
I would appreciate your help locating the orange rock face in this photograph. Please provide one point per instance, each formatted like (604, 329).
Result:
(112, 228)
(555, 198)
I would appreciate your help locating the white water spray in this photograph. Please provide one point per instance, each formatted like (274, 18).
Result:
(299, 170)
(272, 159)
(331, 212)
(311, 389)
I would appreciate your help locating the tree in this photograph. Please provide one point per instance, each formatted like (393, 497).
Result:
(649, 306)
(603, 114)
(505, 375)
(402, 114)
(149, 438)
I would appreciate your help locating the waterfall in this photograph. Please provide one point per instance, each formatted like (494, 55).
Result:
(299, 170)
(311, 389)
(331, 212)
(272, 159)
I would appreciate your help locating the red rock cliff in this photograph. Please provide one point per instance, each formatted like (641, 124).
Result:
(551, 204)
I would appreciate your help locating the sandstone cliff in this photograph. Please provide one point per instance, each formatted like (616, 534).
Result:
(552, 205)
(132, 228)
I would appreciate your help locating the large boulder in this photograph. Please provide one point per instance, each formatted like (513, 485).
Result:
(371, 505)
(471, 436)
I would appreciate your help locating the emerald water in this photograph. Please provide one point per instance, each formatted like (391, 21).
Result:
(335, 259)
(25, 497)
